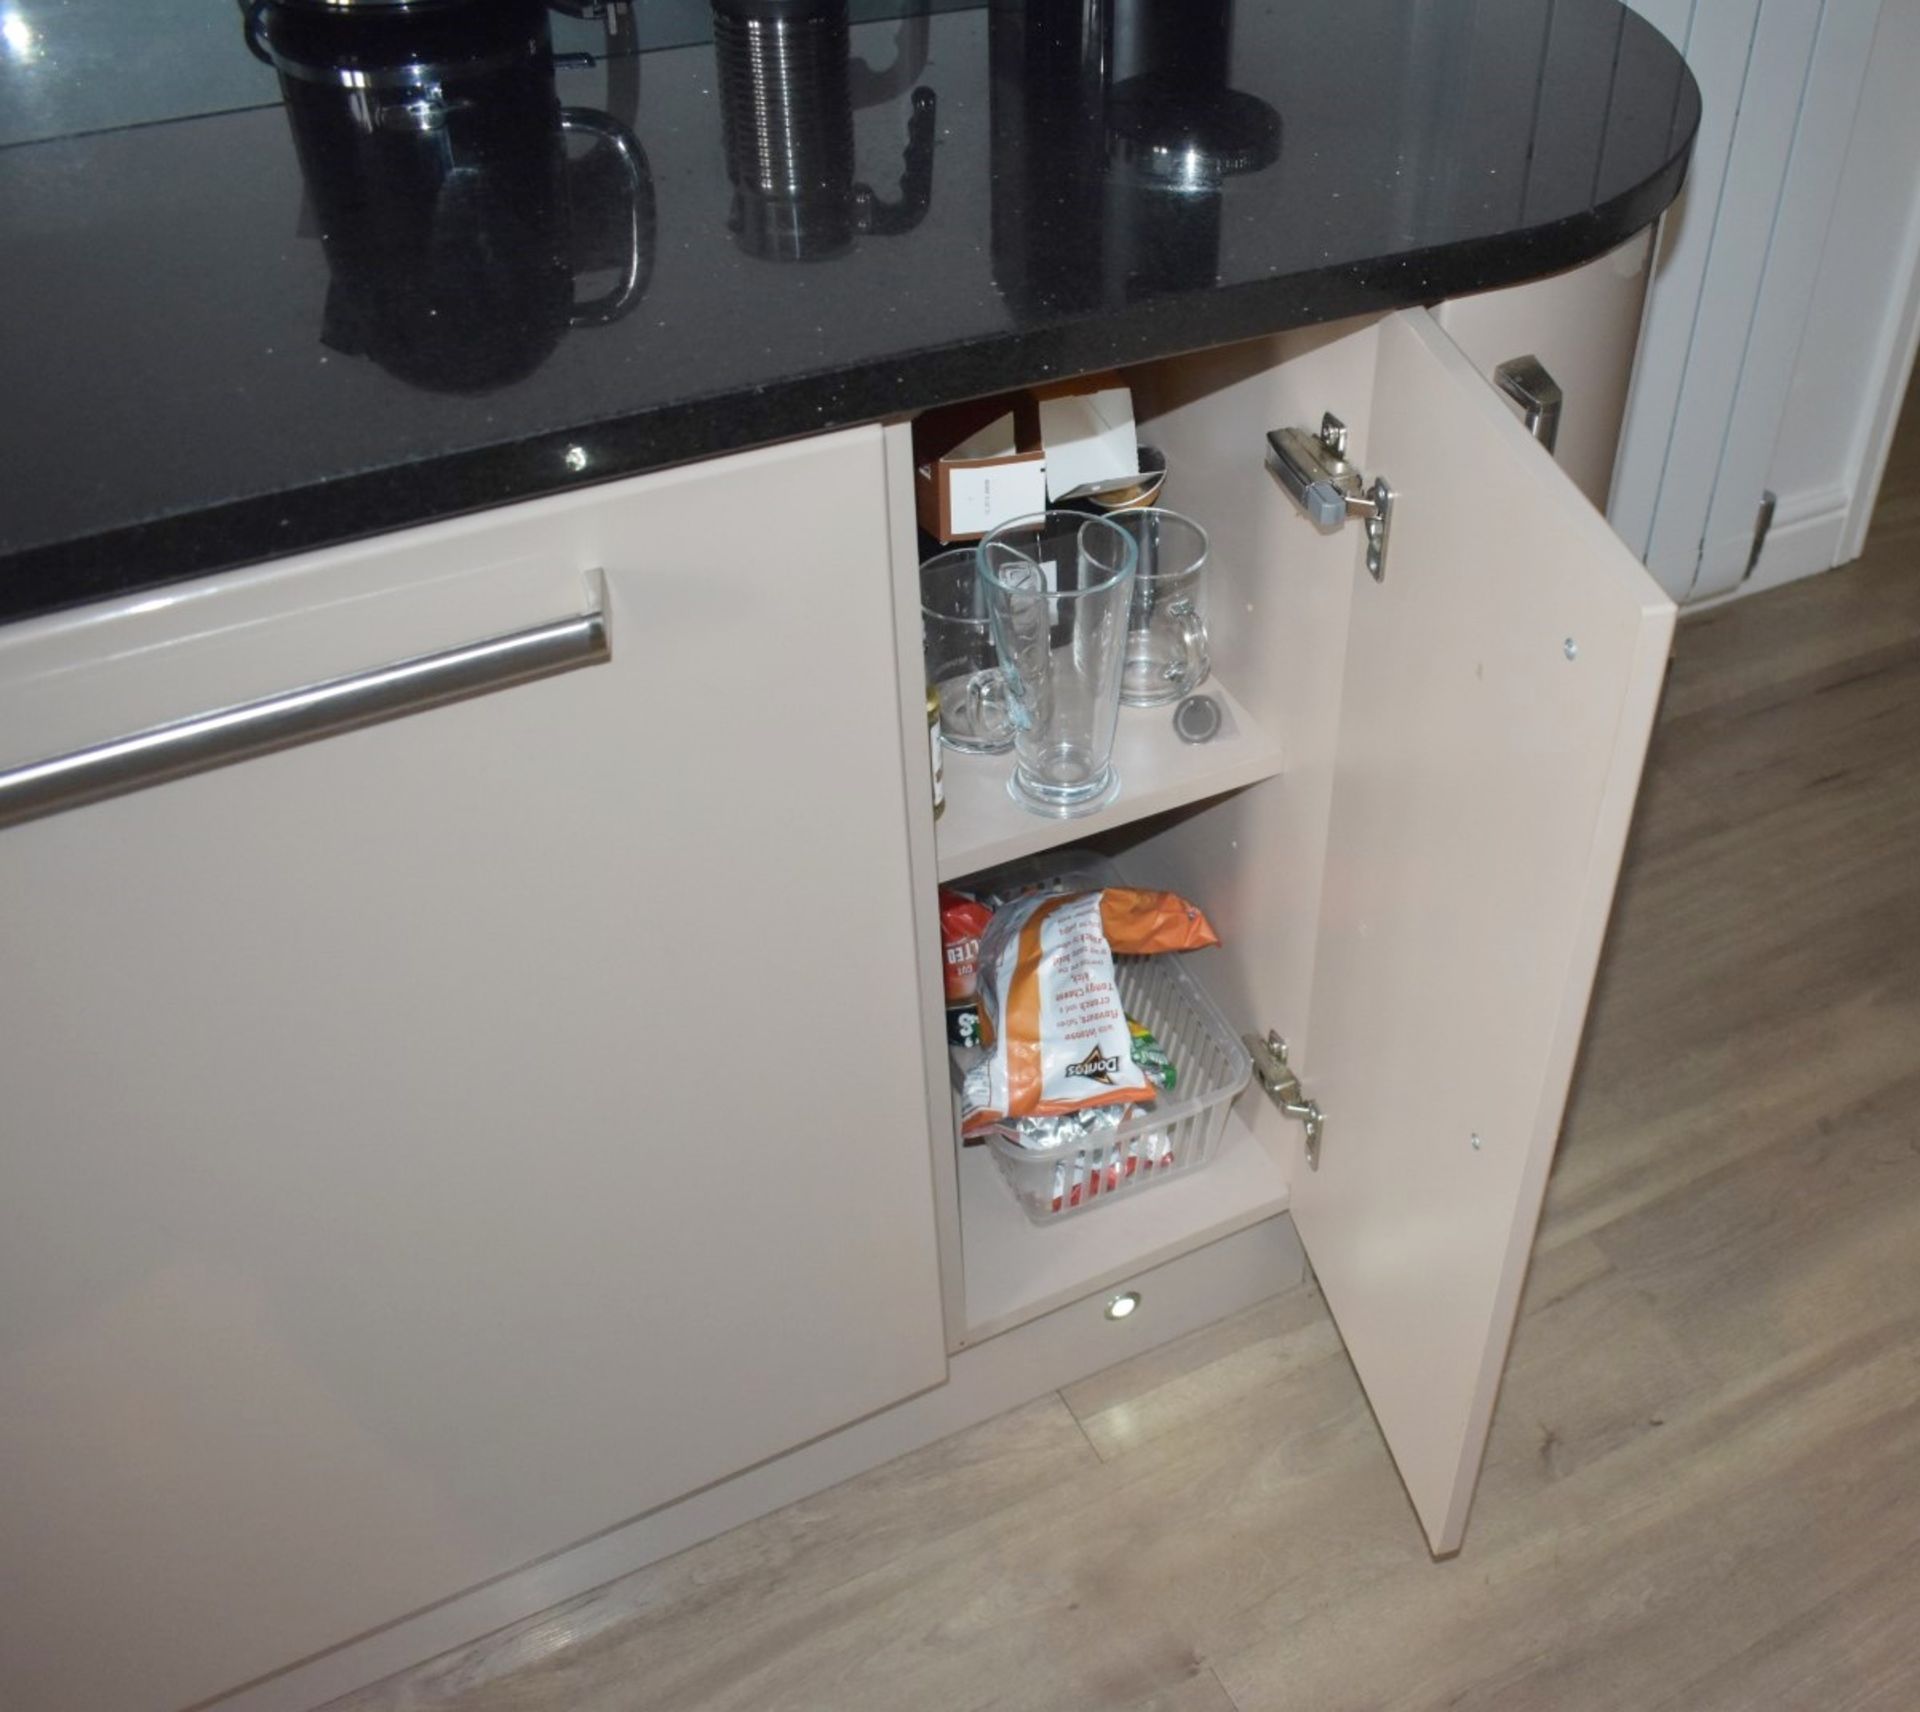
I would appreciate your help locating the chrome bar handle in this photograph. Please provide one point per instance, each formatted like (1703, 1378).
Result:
(1525, 380)
(230, 734)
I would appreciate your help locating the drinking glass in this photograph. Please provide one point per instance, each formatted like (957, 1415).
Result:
(961, 663)
(1167, 655)
(1059, 586)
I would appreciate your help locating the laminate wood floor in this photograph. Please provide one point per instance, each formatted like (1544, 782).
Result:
(1703, 1489)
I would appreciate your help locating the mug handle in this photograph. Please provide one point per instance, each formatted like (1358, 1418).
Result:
(1196, 661)
(611, 305)
(988, 710)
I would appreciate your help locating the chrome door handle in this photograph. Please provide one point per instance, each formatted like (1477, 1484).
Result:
(1525, 380)
(229, 734)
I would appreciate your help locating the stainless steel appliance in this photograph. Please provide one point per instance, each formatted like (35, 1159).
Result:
(787, 105)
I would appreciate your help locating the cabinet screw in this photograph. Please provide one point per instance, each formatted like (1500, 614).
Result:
(1476, 1141)
(1570, 648)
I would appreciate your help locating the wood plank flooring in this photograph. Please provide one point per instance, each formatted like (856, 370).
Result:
(1703, 1490)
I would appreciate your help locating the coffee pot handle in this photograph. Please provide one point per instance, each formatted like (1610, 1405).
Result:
(916, 176)
(638, 271)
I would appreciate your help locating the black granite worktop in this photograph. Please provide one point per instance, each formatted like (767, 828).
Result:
(264, 304)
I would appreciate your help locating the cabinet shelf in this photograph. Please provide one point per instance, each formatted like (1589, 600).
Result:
(983, 826)
(1017, 1270)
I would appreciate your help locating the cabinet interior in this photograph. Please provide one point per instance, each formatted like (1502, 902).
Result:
(1238, 824)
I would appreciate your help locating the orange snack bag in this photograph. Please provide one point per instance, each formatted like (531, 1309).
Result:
(1060, 1037)
(1140, 923)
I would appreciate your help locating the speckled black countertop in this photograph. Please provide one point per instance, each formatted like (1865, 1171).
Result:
(364, 278)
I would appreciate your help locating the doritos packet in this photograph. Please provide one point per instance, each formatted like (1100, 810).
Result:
(1059, 1037)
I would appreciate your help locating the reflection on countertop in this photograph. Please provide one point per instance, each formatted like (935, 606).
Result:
(1115, 130)
(787, 80)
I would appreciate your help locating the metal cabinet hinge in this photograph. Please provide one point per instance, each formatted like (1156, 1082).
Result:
(1313, 468)
(1282, 1086)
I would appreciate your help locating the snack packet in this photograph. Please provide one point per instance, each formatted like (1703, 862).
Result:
(1082, 1177)
(1151, 1056)
(1048, 1134)
(1059, 1038)
(962, 921)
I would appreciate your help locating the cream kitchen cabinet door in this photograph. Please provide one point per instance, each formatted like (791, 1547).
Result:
(1499, 689)
(427, 1146)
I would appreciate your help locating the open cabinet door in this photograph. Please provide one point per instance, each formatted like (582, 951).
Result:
(1499, 691)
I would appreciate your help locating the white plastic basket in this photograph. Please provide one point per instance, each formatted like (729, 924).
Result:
(1175, 1136)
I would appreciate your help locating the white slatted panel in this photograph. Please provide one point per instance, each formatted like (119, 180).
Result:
(1715, 36)
(1835, 75)
(1780, 82)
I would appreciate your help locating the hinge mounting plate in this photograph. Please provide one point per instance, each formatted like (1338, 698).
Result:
(1282, 1085)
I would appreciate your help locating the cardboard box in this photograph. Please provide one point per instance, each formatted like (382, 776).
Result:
(976, 466)
(984, 463)
(1087, 433)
